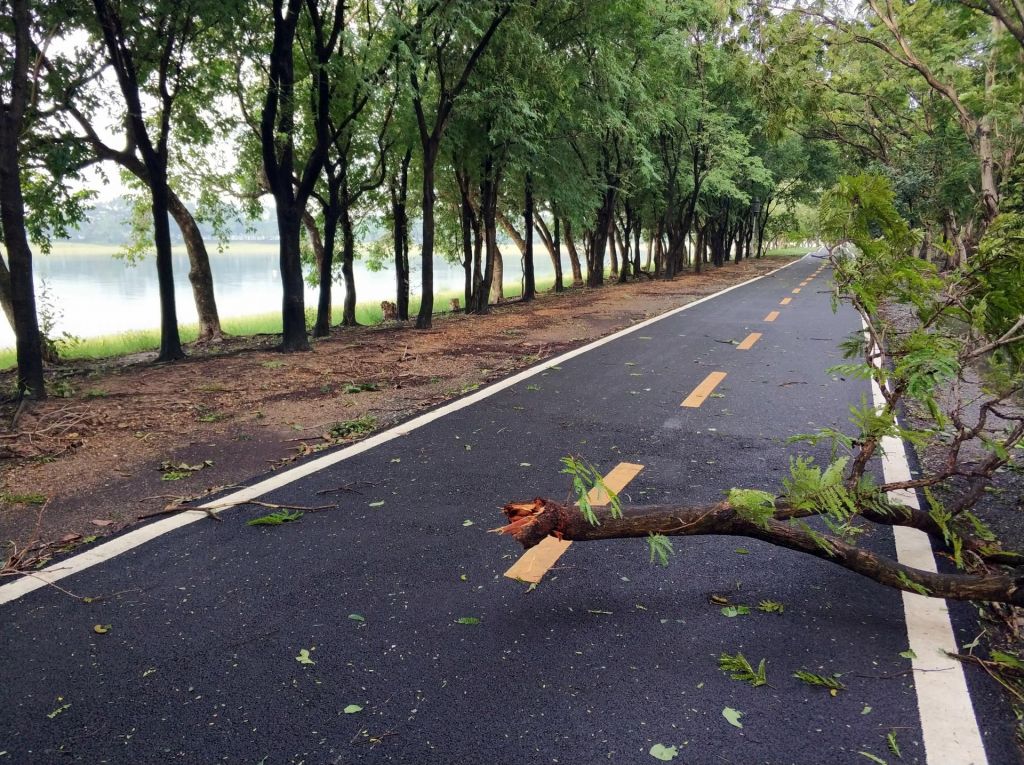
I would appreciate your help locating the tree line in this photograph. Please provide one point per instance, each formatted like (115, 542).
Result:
(641, 138)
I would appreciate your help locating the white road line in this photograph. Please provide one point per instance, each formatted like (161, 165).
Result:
(133, 539)
(948, 723)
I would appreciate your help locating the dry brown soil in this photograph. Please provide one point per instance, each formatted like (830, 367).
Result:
(88, 464)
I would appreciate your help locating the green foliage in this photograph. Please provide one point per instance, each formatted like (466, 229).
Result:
(354, 428)
(751, 505)
(911, 585)
(663, 753)
(742, 670)
(771, 607)
(831, 682)
(893, 744)
(660, 548)
(998, 302)
(586, 477)
(276, 518)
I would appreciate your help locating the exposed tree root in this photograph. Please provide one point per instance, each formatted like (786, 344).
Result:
(531, 522)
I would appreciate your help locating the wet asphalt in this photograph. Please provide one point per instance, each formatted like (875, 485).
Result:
(607, 657)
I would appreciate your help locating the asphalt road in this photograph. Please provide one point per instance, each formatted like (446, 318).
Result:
(607, 657)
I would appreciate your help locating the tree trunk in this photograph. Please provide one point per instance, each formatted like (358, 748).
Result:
(613, 255)
(529, 281)
(512, 233)
(170, 340)
(348, 249)
(531, 522)
(400, 224)
(497, 265)
(556, 245)
(28, 343)
(426, 314)
(698, 256)
(623, 239)
(199, 274)
(598, 239)
(574, 256)
(293, 299)
(466, 227)
(636, 248)
(6, 302)
(494, 273)
(323, 249)
(553, 249)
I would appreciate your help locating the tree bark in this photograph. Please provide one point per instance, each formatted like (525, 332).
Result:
(348, 249)
(530, 522)
(400, 225)
(323, 249)
(426, 315)
(556, 245)
(28, 343)
(529, 280)
(200, 275)
(574, 256)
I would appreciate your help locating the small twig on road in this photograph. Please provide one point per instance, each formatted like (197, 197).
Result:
(175, 508)
(987, 666)
(213, 510)
(348, 487)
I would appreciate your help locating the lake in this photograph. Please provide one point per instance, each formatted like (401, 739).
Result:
(94, 293)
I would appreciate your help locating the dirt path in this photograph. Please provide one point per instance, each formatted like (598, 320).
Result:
(130, 437)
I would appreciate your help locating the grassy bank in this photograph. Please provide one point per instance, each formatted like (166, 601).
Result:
(788, 252)
(93, 249)
(137, 341)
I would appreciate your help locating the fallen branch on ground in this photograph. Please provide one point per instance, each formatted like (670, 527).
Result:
(530, 522)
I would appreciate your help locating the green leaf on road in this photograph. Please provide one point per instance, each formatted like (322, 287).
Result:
(377, 504)
(908, 654)
(59, 710)
(467, 620)
(351, 709)
(733, 716)
(467, 522)
(101, 629)
(357, 617)
(303, 657)
(275, 518)
(873, 758)
(732, 611)
(893, 744)
(663, 753)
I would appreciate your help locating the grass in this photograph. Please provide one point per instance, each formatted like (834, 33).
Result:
(788, 252)
(89, 248)
(137, 341)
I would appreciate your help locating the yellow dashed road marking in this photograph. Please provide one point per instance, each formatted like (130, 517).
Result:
(796, 291)
(786, 301)
(538, 560)
(702, 391)
(748, 341)
(772, 316)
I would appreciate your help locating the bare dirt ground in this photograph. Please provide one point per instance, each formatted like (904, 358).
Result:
(129, 437)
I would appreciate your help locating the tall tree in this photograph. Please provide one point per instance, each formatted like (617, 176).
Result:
(439, 72)
(142, 42)
(292, 182)
(15, 102)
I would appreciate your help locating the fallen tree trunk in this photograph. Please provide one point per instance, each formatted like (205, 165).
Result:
(530, 522)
